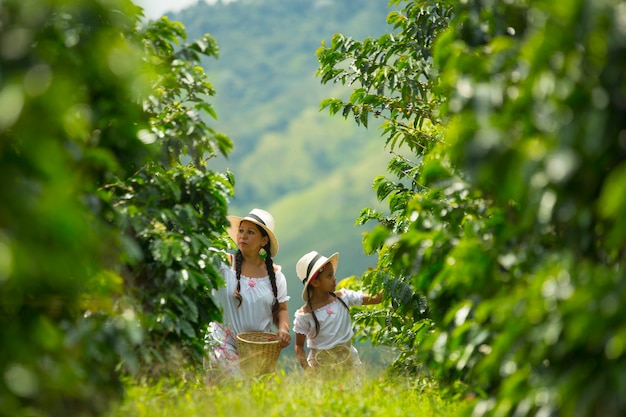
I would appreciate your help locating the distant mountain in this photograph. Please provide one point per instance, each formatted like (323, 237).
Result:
(312, 171)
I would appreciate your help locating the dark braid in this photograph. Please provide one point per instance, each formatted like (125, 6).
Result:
(269, 264)
(342, 302)
(238, 261)
(317, 323)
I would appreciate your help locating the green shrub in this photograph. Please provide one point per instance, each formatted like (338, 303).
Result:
(506, 218)
(107, 205)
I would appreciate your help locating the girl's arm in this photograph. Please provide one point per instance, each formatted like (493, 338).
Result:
(300, 352)
(372, 299)
(282, 324)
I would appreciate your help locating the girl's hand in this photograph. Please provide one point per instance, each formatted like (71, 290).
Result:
(372, 299)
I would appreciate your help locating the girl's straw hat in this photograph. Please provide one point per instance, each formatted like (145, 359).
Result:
(309, 264)
(259, 217)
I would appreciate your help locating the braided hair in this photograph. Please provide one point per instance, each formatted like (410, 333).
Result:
(269, 264)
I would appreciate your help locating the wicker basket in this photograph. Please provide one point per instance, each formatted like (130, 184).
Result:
(258, 353)
(338, 358)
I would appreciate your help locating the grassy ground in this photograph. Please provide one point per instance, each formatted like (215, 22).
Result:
(290, 394)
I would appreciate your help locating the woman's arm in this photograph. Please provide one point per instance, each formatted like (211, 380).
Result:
(300, 352)
(282, 324)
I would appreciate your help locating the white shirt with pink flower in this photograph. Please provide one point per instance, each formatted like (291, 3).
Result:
(335, 323)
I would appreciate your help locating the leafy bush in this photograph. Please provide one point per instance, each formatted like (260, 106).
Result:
(104, 231)
(505, 218)
(175, 213)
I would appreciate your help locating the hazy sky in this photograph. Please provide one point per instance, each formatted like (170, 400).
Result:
(156, 8)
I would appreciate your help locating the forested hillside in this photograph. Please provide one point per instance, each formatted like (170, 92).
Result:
(313, 172)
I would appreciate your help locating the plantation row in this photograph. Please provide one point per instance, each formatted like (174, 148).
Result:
(500, 251)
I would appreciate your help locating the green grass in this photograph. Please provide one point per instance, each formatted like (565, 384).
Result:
(295, 393)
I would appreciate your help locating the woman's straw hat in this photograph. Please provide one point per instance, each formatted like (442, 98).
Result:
(259, 217)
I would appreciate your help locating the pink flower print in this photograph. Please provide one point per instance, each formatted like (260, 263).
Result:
(252, 283)
(329, 311)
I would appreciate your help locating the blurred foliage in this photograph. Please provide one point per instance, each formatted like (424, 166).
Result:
(107, 202)
(70, 118)
(508, 218)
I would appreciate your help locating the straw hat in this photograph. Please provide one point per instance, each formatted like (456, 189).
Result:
(259, 217)
(309, 264)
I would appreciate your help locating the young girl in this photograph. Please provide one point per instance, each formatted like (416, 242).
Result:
(324, 321)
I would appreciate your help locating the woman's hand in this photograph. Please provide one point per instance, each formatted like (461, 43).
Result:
(284, 338)
(282, 324)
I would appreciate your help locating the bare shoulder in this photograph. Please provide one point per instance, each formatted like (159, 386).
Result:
(305, 309)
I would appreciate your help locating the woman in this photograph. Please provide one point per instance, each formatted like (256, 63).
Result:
(255, 295)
